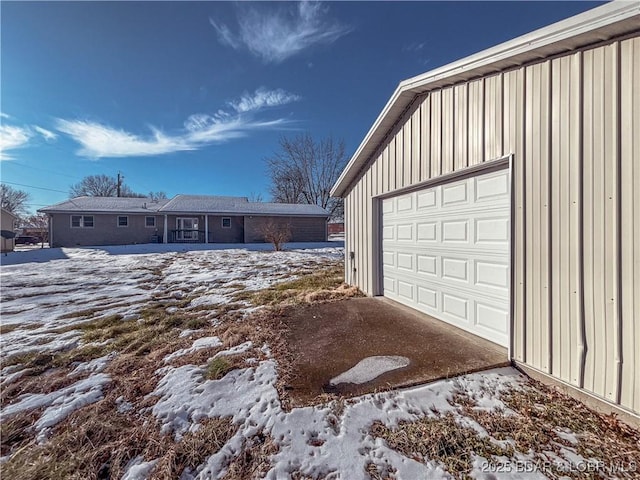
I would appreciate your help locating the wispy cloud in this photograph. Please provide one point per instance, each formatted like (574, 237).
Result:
(277, 33)
(263, 98)
(12, 137)
(46, 134)
(98, 140)
(413, 47)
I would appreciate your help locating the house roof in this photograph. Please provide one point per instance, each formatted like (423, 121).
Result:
(608, 21)
(7, 212)
(184, 204)
(106, 205)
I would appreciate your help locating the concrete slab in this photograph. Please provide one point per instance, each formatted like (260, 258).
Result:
(328, 339)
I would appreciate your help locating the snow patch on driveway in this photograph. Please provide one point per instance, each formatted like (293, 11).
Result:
(369, 368)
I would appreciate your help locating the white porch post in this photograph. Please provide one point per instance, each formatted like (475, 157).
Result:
(166, 238)
(206, 229)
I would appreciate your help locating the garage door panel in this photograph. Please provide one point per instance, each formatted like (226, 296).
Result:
(492, 187)
(493, 275)
(426, 200)
(456, 306)
(427, 264)
(455, 231)
(455, 194)
(404, 232)
(427, 231)
(449, 254)
(492, 231)
(455, 269)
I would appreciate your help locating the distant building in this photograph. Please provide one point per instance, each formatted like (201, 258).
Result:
(8, 226)
(182, 219)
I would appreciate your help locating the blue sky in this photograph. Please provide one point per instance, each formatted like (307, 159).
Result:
(190, 97)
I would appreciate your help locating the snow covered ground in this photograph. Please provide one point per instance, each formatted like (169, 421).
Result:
(46, 290)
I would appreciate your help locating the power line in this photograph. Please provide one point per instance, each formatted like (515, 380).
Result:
(33, 186)
(14, 162)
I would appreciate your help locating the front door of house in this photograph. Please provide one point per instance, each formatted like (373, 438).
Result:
(187, 228)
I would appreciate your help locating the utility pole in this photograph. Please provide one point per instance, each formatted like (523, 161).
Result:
(120, 178)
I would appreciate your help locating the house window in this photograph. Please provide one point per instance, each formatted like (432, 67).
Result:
(150, 222)
(123, 221)
(81, 221)
(226, 222)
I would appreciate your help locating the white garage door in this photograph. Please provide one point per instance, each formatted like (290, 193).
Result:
(446, 253)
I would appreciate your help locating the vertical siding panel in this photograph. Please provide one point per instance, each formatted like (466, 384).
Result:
(460, 132)
(537, 222)
(399, 156)
(386, 170)
(475, 149)
(425, 139)
(391, 150)
(565, 178)
(630, 221)
(436, 133)
(407, 151)
(350, 228)
(493, 131)
(416, 160)
(514, 112)
(448, 131)
(368, 232)
(601, 246)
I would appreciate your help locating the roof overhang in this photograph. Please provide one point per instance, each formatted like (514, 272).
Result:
(600, 24)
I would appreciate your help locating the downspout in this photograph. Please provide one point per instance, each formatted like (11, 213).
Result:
(166, 238)
(50, 231)
(206, 228)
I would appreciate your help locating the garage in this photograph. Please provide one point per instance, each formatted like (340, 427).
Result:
(501, 194)
(445, 252)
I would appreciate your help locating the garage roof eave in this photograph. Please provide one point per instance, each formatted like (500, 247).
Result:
(608, 21)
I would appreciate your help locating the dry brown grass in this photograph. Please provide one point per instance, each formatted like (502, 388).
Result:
(441, 439)
(96, 441)
(311, 287)
(253, 461)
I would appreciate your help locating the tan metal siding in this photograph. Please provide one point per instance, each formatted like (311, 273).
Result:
(571, 124)
(600, 219)
(447, 164)
(537, 146)
(513, 137)
(492, 123)
(566, 200)
(461, 119)
(475, 123)
(630, 221)
(425, 136)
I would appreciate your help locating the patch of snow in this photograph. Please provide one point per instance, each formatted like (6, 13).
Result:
(138, 469)
(199, 344)
(93, 366)
(369, 368)
(187, 333)
(60, 403)
(243, 347)
(122, 405)
(213, 299)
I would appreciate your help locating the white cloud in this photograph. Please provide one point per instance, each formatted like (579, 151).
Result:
(47, 134)
(277, 34)
(98, 140)
(4, 115)
(263, 98)
(12, 137)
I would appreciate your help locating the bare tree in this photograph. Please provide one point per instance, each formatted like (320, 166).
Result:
(255, 197)
(277, 233)
(14, 200)
(155, 196)
(303, 171)
(40, 222)
(101, 186)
